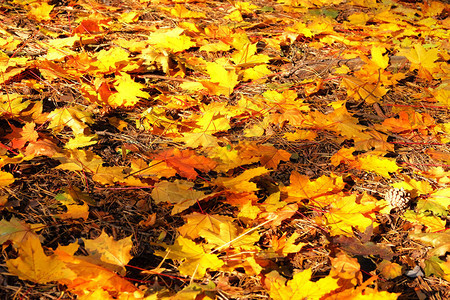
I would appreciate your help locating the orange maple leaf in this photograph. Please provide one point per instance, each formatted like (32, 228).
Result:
(186, 161)
(303, 188)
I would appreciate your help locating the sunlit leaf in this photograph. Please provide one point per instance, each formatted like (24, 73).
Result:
(32, 264)
(194, 260)
(106, 249)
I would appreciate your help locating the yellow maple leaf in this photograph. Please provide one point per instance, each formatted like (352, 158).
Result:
(75, 211)
(214, 118)
(128, 91)
(224, 76)
(40, 11)
(74, 117)
(300, 287)
(419, 56)
(181, 11)
(257, 73)
(105, 249)
(215, 47)
(17, 231)
(378, 58)
(170, 39)
(196, 221)
(433, 223)
(32, 264)
(285, 245)
(194, 260)
(81, 140)
(179, 192)
(360, 89)
(196, 139)
(300, 134)
(110, 60)
(241, 182)
(379, 165)
(77, 160)
(91, 273)
(246, 56)
(230, 236)
(248, 211)
(419, 187)
(345, 214)
(6, 179)
(303, 188)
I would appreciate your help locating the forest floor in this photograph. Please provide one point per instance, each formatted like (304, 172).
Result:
(160, 149)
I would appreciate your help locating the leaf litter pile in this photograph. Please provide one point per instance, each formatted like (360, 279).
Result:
(295, 149)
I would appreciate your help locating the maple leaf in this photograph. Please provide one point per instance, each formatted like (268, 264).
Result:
(362, 90)
(248, 211)
(438, 202)
(285, 245)
(41, 147)
(195, 261)
(40, 11)
(73, 117)
(179, 192)
(128, 91)
(246, 56)
(105, 249)
(271, 156)
(241, 182)
(12, 104)
(379, 165)
(32, 264)
(110, 60)
(345, 213)
(389, 270)
(341, 122)
(373, 139)
(412, 185)
(156, 168)
(433, 223)
(440, 241)
(81, 140)
(89, 275)
(77, 160)
(230, 235)
(17, 231)
(6, 179)
(302, 187)
(186, 161)
(419, 57)
(108, 175)
(75, 211)
(213, 119)
(408, 121)
(224, 77)
(20, 136)
(170, 39)
(344, 155)
(196, 139)
(378, 58)
(196, 222)
(300, 287)
(345, 267)
(181, 11)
